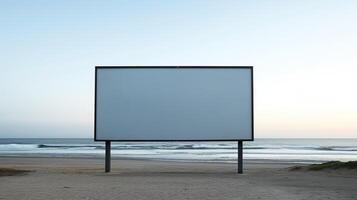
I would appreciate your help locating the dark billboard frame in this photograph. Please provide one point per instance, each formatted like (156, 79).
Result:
(175, 67)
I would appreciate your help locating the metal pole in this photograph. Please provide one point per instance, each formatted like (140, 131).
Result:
(107, 156)
(240, 157)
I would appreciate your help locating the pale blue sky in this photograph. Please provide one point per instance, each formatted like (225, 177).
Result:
(303, 53)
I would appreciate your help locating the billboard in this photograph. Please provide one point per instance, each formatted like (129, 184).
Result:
(173, 103)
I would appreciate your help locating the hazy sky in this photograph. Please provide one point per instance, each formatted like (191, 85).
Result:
(304, 55)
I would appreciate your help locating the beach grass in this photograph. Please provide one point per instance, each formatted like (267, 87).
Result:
(12, 172)
(328, 165)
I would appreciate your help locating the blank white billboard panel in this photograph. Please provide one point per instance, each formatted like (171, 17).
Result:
(173, 103)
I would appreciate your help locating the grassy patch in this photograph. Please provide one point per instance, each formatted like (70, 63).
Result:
(334, 165)
(11, 172)
(328, 165)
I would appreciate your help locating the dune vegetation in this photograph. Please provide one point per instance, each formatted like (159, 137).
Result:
(11, 172)
(334, 165)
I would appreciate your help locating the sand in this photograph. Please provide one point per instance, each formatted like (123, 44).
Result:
(83, 178)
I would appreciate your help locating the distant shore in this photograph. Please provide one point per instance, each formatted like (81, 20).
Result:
(83, 178)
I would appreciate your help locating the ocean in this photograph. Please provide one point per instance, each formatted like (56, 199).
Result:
(284, 150)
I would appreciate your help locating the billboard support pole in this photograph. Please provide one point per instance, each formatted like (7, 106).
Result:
(240, 157)
(107, 156)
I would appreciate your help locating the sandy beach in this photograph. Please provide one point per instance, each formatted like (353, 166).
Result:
(83, 178)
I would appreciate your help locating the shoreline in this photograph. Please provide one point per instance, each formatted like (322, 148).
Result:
(114, 157)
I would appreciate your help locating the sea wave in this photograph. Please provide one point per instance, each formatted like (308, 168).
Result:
(154, 146)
